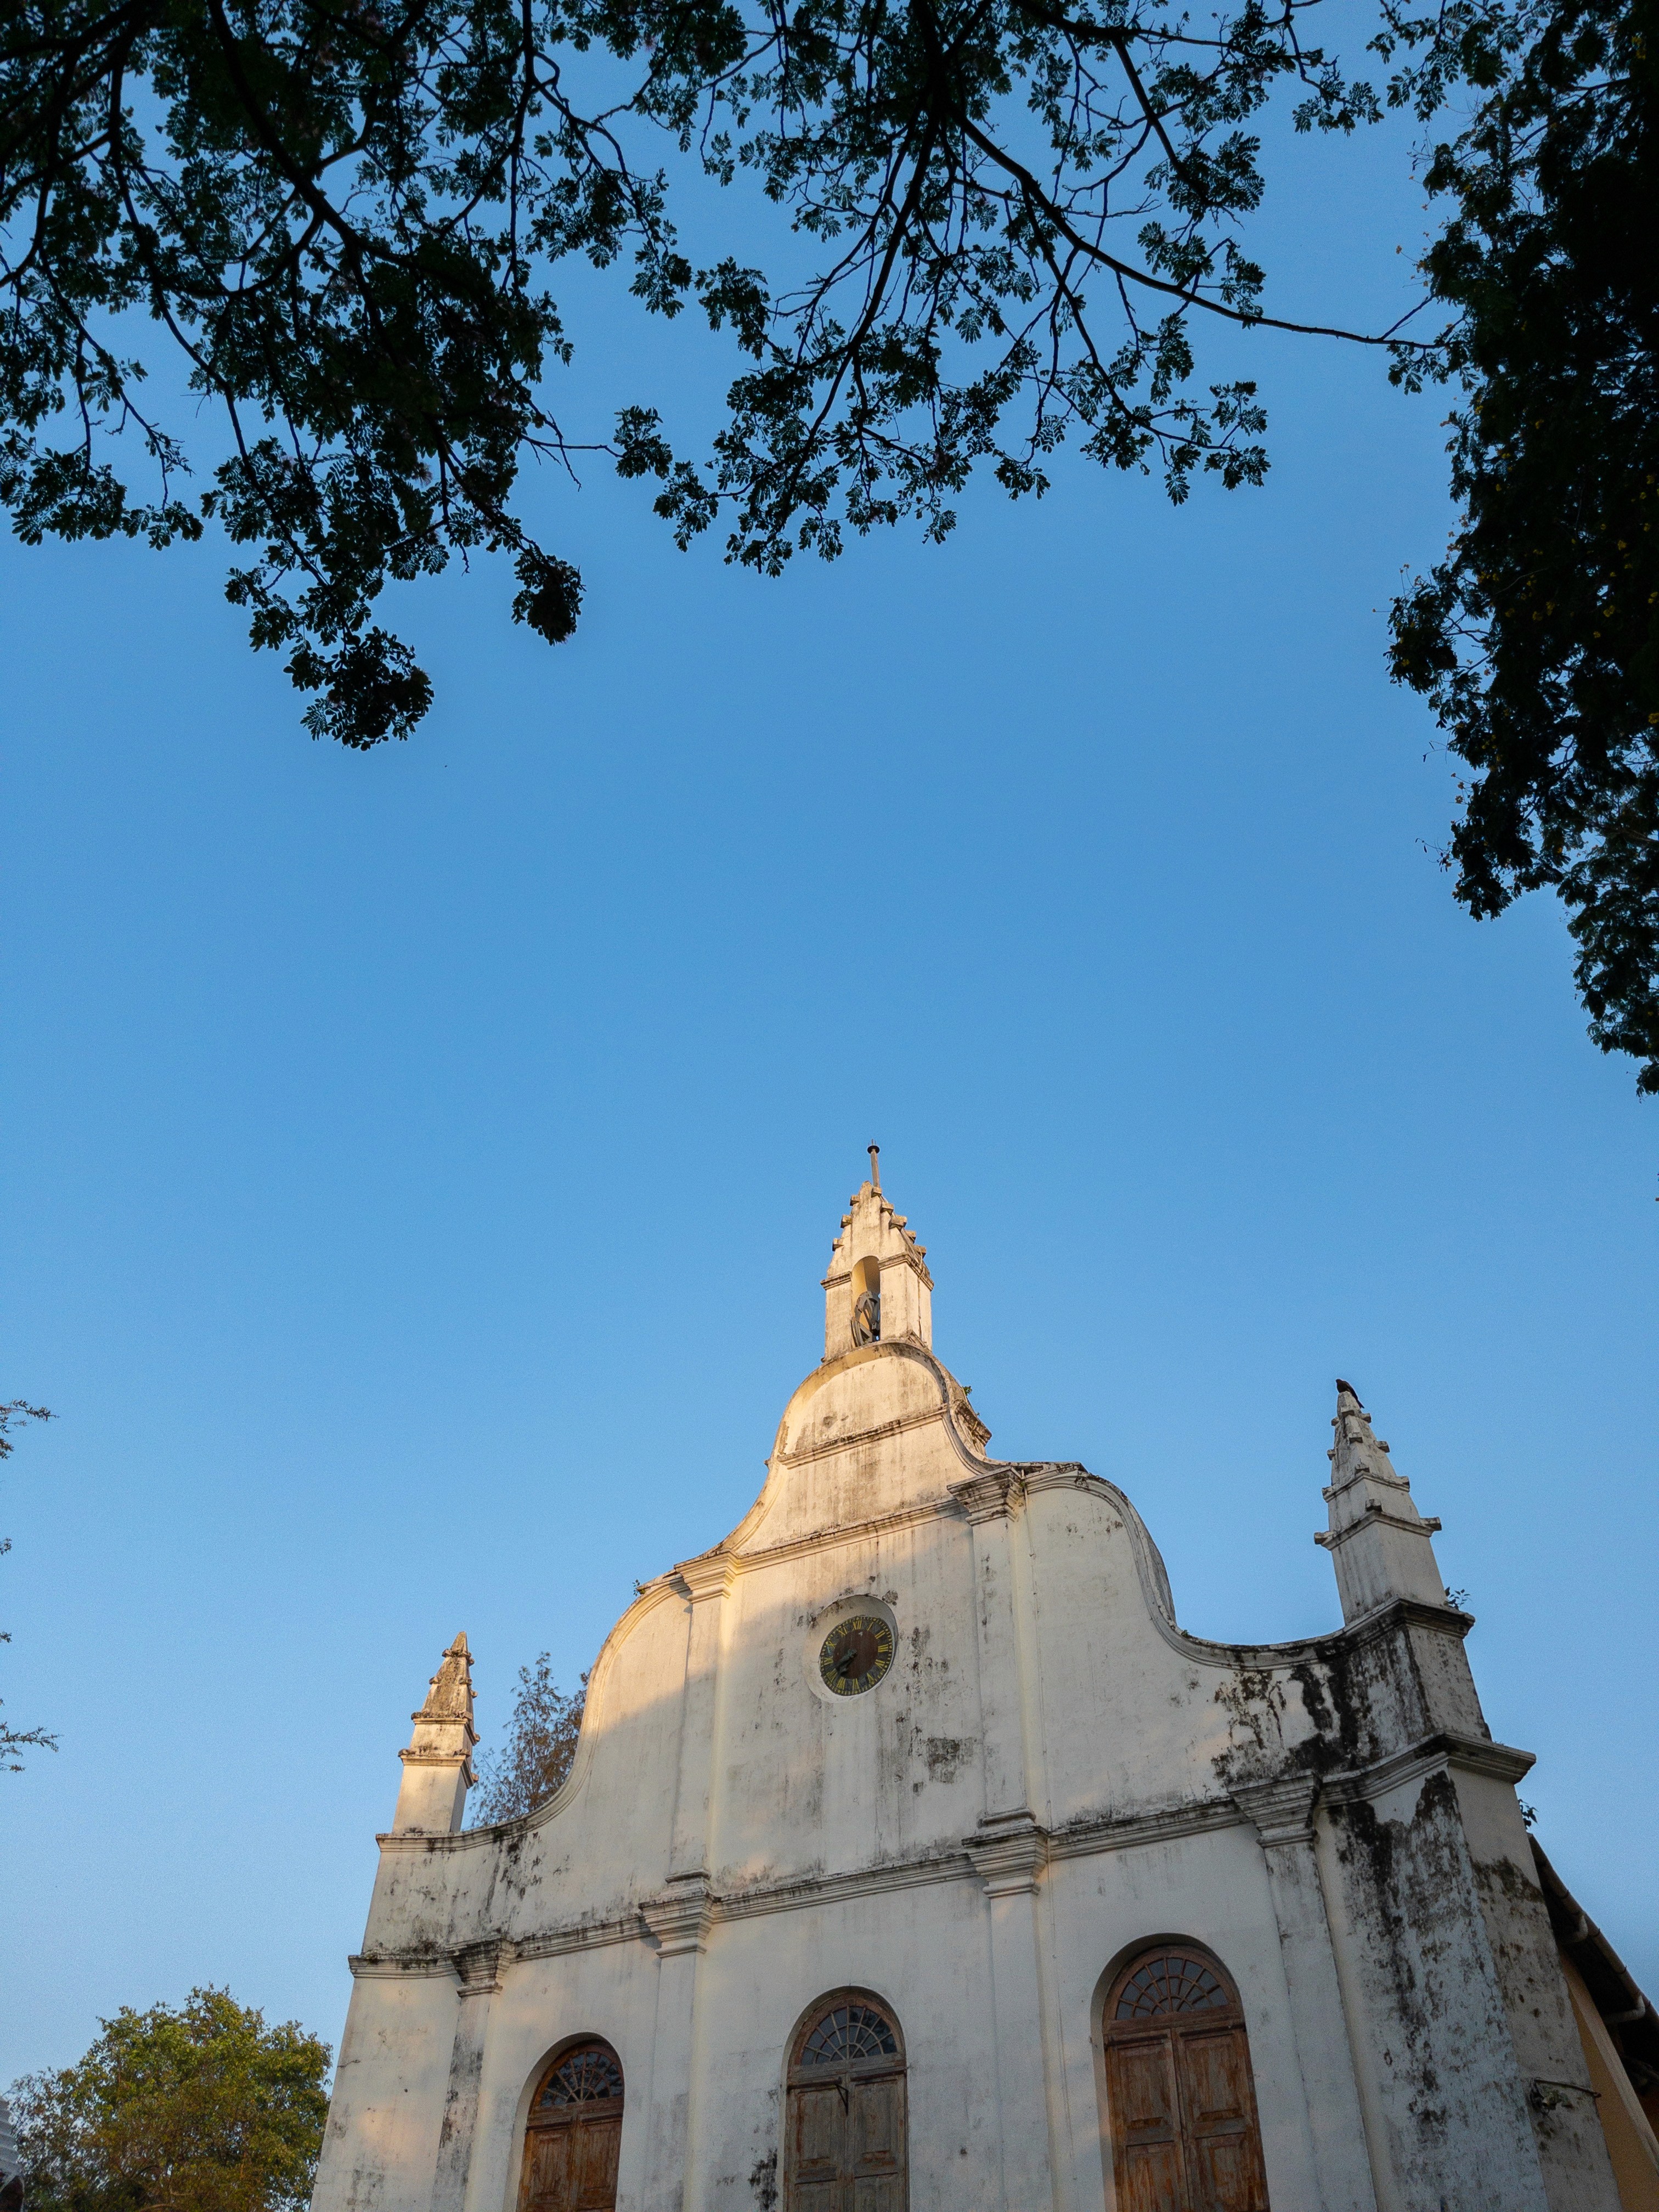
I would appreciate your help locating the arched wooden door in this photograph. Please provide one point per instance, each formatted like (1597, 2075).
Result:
(1180, 2097)
(574, 2135)
(845, 2137)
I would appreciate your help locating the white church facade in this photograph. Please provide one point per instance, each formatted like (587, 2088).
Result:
(914, 1859)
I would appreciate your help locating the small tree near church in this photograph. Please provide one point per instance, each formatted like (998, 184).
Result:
(198, 2109)
(541, 1742)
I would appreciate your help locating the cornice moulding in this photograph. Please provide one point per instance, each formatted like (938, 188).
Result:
(991, 1496)
(477, 1967)
(1365, 1474)
(1396, 1612)
(1038, 1475)
(710, 1575)
(1377, 1516)
(898, 1426)
(1431, 1754)
(839, 1888)
(1082, 1840)
(1089, 1838)
(1008, 1854)
(909, 1257)
(680, 1919)
(393, 1966)
(1281, 1812)
(853, 1532)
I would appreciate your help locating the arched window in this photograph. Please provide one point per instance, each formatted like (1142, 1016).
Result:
(844, 2138)
(1180, 2098)
(573, 2134)
(866, 1302)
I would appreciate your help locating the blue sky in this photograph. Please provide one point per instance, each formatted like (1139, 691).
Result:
(420, 1167)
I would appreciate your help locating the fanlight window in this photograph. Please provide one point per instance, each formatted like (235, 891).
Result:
(847, 2034)
(1171, 1982)
(581, 2078)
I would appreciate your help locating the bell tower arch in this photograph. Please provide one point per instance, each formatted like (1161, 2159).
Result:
(878, 1290)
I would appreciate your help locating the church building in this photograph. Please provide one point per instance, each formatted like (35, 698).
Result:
(914, 1859)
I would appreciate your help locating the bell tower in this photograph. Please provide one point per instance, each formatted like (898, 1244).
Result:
(1380, 1545)
(878, 1290)
(438, 1763)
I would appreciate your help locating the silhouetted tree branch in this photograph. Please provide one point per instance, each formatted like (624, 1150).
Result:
(15, 1741)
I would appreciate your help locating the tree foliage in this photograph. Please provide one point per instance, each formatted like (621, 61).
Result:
(999, 224)
(14, 1742)
(344, 215)
(198, 2109)
(1537, 637)
(540, 1744)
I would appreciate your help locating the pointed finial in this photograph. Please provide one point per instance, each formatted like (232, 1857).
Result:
(449, 1693)
(1379, 1541)
(438, 1763)
(874, 1152)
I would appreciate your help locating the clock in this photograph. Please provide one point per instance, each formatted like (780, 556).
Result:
(856, 1654)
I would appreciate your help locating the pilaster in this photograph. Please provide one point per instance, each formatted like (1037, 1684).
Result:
(1282, 1815)
(1009, 1851)
(1009, 1855)
(478, 1972)
(988, 1500)
(707, 1581)
(679, 1920)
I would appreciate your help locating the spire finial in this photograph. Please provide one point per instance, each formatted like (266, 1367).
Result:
(1379, 1541)
(438, 1763)
(449, 1693)
(874, 1152)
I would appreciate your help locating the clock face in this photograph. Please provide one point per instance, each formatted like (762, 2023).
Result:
(856, 1654)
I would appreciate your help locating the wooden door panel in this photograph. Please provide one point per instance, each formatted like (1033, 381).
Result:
(1214, 2074)
(1141, 2082)
(1148, 2176)
(1145, 2122)
(547, 2171)
(816, 2196)
(1182, 2114)
(875, 2127)
(819, 2133)
(1223, 2150)
(876, 2193)
(572, 2167)
(1226, 2175)
(875, 2131)
(847, 2145)
(598, 2146)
